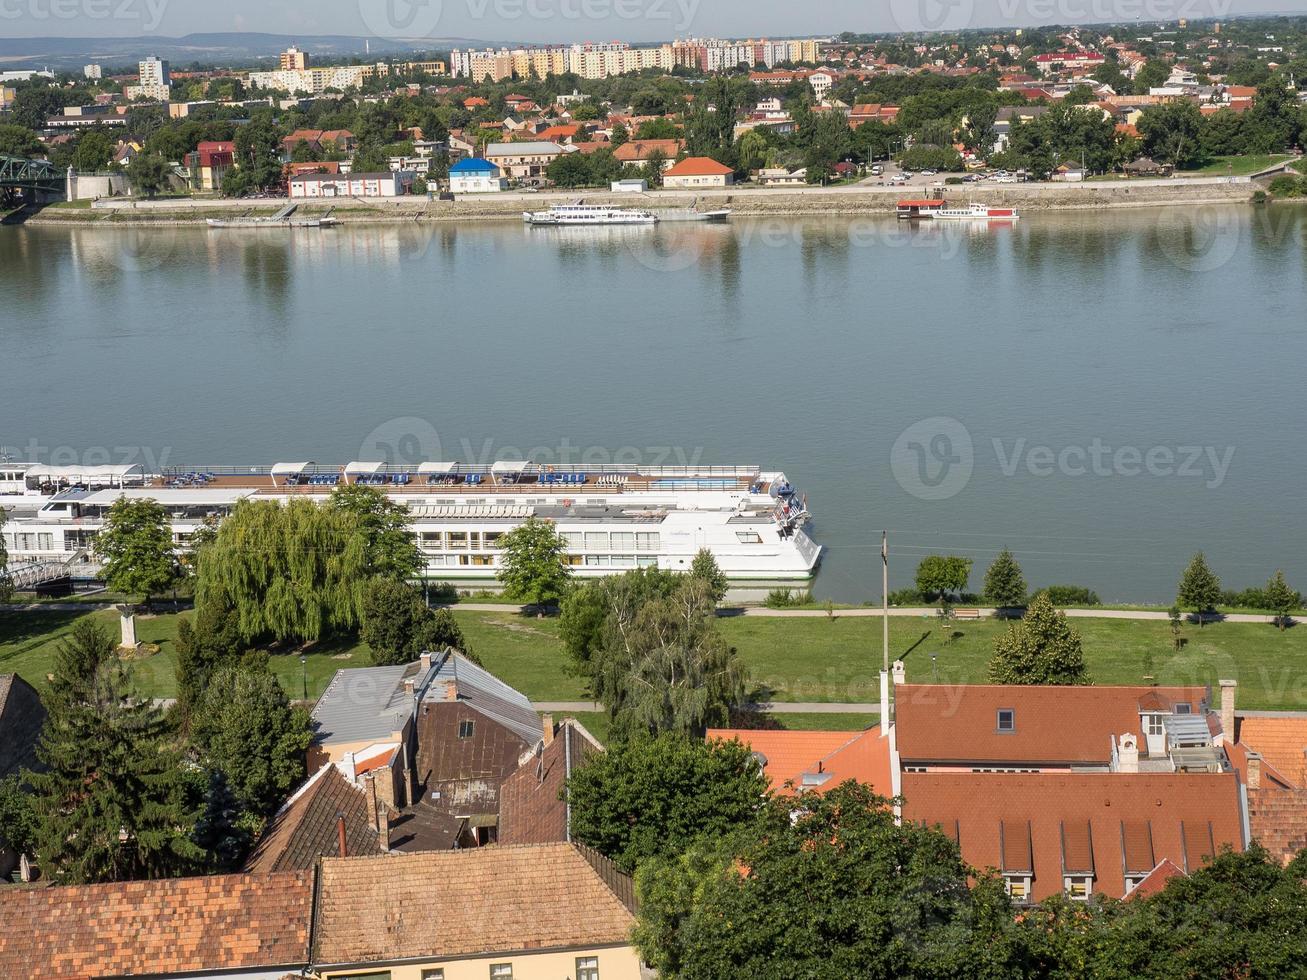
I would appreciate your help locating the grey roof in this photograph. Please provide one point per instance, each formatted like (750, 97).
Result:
(485, 692)
(363, 703)
(525, 148)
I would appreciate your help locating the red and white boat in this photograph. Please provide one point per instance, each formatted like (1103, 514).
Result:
(974, 212)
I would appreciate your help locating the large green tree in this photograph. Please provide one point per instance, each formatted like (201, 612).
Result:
(823, 886)
(532, 569)
(705, 568)
(652, 797)
(135, 547)
(943, 577)
(1172, 133)
(6, 586)
(391, 547)
(148, 173)
(18, 141)
(399, 626)
(206, 642)
(1282, 599)
(1005, 586)
(245, 726)
(112, 803)
(1041, 649)
(1199, 589)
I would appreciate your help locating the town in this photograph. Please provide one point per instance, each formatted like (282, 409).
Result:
(381, 594)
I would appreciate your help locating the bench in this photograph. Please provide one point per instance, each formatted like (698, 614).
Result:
(966, 614)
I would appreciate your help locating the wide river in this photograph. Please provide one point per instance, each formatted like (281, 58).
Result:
(1104, 393)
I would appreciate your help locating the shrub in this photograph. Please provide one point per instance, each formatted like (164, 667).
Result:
(786, 599)
(905, 597)
(1070, 595)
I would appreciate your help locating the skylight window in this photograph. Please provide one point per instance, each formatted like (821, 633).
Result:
(1007, 720)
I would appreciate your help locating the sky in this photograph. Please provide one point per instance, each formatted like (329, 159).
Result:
(539, 21)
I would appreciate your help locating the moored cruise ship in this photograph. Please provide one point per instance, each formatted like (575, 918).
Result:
(612, 517)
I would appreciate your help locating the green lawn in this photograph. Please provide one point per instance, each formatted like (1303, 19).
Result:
(807, 659)
(1237, 166)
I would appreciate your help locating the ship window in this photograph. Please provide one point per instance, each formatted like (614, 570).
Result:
(648, 540)
(573, 540)
(623, 561)
(647, 562)
(749, 537)
(623, 541)
(458, 540)
(597, 560)
(596, 540)
(491, 539)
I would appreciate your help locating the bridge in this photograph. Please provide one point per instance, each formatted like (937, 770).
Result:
(28, 576)
(18, 174)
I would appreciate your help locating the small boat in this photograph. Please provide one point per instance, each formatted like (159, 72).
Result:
(974, 212)
(721, 214)
(588, 215)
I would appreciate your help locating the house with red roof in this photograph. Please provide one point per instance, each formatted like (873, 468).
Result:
(803, 761)
(640, 152)
(698, 172)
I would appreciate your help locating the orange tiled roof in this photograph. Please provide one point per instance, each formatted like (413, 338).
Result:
(1054, 725)
(1124, 821)
(457, 903)
(635, 150)
(1281, 741)
(699, 167)
(840, 756)
(172, 926)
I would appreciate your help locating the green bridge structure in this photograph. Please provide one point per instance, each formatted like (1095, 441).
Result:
(30, 178)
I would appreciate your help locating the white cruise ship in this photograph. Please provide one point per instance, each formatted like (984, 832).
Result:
(612, 517)
(588, 215)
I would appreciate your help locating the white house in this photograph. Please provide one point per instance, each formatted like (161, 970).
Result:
(476, 176)
(699, 172)
(390, 184)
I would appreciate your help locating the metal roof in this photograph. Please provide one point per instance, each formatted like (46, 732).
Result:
(485, 692)
(364, 704)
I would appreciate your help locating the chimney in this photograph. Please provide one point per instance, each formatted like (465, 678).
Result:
(1254, 770)
(1227, 709)
(370, 797)
(410, 688)
(340, 834)
(451, 691)
(1128, 753)
(426, 661)
(900, 672)
(383, 827)
(547, 723)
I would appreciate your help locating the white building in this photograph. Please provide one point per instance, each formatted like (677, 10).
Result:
(389, 184)
(476, 176)
(93, 72)
(821, 82)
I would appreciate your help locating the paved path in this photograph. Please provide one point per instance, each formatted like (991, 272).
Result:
(768, 707)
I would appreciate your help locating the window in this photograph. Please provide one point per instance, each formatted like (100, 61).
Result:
(623, 540)
(646, 562)
(749, 537)
(587, 968)
(1018, 887)
(1007, 720)
(1078, 887)
(573, 540)
(596, 540)
(458, 540)
(1154, 724)
(1183, 708)
(501, 971)
(1133, 881)
(491, 539)
(438, 973)
(648, 540)
(466, 729)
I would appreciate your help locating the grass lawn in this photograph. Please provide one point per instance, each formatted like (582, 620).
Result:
(808, 659)
(1238, 166)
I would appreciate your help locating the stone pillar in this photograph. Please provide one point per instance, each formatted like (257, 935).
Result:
(127, 621)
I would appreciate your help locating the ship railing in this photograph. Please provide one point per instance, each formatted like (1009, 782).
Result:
(530, 469)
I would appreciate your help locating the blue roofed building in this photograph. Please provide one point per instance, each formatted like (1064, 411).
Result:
(476, 175)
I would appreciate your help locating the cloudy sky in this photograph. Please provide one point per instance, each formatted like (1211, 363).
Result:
(571, 20)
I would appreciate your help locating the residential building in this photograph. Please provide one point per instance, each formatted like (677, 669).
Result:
(292, 59)
(798, 761)
(229, 926)
(312, 81)
(526, 162)
(527, 913)
(475, 175)
(209, 164)
(1082, 61)
(589, 60)
(7, 96)
(640, 152)
(533, 802)
(154, 81)
(821, 82)
(93, 72)
(780, 177)
(388, 184)
(321, 140)
(698, 172)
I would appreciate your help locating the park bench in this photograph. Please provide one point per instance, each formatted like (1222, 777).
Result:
(966, 614)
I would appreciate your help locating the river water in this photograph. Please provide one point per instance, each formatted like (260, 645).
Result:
(1103, 393)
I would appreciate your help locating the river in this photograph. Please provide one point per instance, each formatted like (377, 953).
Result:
(1103, 393)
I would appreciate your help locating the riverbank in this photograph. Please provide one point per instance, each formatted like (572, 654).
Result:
(880, 201)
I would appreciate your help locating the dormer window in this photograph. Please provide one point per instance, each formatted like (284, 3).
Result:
(1007, 720)
(1078, 887)
(1183, 708)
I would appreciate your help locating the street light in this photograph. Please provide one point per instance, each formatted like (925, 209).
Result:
(934, 674)
(304, 673)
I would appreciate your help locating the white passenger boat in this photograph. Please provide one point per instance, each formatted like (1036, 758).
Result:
(612, 517)
(973, 212)
(589, 215)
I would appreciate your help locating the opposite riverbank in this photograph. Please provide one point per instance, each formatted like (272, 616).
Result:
(878, 201)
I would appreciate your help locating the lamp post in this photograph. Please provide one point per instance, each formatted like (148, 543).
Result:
(304, 674)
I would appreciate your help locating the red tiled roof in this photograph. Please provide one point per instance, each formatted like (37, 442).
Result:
(699, 167)
(1156, 880)
(1119, 822)
(1054, 725)
(307, 827)
(532, 808)
(1281, 741)
(636, 150)
(789, 756)
(171, 926)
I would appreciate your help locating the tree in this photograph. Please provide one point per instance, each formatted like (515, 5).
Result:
(111, 803)
(6, 586)
(291, 571)
(652, 797)
(1005, 586)
(1200, 589)
(399, 626)
(1041, 649)
(148, 173)
(18, 141)
(94, 151)
(221, 830)
(942, 576)
(258, 156)
(1282, 599)
(1152, 75)
(595, 616)
(18, 817)
(657, 129)
(135, 546)
(1172, 133)
(620, 135)
(705, 568)
(245, 726)
(570, 170)
(388, 540)
(823, 886)
(533, 571)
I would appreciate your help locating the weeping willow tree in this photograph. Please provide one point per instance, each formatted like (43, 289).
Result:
(293, 571)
